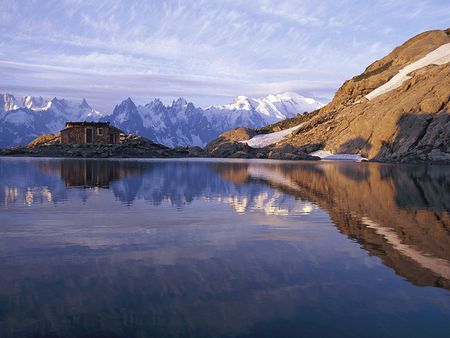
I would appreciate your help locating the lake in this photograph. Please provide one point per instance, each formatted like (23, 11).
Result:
(223, 248)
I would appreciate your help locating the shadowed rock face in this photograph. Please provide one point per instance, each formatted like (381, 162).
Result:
(408, 124)
(394, 212)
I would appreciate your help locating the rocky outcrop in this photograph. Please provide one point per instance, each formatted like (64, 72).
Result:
(410, 123)
(382, 70)
(48, 145)
(45, 140)
(229, 145)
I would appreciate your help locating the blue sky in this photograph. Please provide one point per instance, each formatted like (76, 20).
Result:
(206, 51)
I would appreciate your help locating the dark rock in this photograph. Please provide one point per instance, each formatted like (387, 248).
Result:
(241, 154)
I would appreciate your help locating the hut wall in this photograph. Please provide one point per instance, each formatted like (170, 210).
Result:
(78, 135)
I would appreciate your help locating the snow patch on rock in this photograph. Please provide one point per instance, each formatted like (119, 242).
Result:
(264, 140)
(439, 56)
(328, 156)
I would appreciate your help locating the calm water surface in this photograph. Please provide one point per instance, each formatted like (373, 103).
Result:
(201, 248)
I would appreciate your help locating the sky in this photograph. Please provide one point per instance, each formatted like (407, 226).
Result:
(208, 51)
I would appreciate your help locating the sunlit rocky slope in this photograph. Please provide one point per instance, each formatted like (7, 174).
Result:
(396, 110)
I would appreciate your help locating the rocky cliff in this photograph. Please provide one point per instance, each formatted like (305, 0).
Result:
(397, 110)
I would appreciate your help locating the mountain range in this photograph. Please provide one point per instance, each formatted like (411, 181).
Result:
(397, 110)
(177, 124)
(23, 120)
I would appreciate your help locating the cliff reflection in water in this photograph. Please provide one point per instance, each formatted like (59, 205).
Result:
(398, 213)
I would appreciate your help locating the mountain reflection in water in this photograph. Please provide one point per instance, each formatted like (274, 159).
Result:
(380, 206)
(204, 247)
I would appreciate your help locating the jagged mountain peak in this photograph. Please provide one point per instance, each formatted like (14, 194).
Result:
(34, 102)
(157, 100)
(126, 115)
(9, 96)
(243, 102)
(179, 103)
(240, 98)
(55, 102)
(154, 104)
(8, 102)
(55, 99)
(84, 104)
(177, 123)
(128, 101)
(126, 104)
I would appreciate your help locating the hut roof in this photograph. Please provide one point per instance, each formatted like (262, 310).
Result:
(71, 124)
(86, 124)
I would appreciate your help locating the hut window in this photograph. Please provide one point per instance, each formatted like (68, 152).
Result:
(100, 131)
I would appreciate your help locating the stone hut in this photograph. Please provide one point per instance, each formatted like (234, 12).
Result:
(90, 133)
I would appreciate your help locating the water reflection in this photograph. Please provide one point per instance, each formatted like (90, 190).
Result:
(398, 213)
(232, 248)
(410, 203)
(175, 183)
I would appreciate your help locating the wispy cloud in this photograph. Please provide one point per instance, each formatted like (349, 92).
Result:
(208, 50)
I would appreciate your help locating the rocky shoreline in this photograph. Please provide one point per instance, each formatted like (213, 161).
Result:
(134, 146)
(145, 150)
(228, 145)
(130, 150)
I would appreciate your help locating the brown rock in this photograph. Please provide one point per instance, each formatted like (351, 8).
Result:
(45, 139)
(409, 123)
(431, 105)
(239, 134)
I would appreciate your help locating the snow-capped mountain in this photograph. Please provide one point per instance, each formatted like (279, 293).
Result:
(273, 108)
(175, 124)
(181, 123)
(23, 120)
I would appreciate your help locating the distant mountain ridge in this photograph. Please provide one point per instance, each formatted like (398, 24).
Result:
(177, 124)
(181, 123)
(22, 121)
